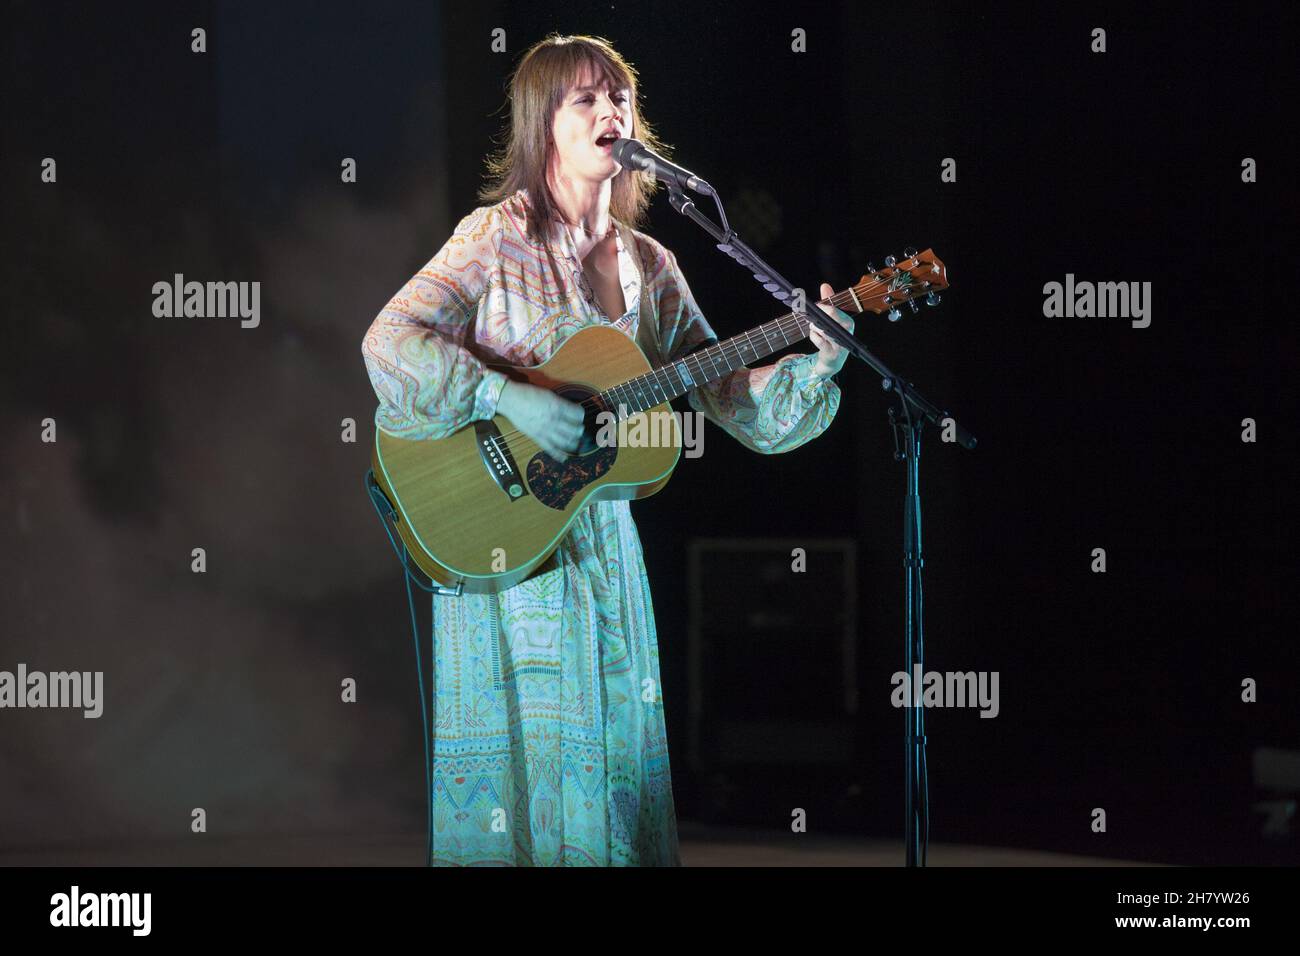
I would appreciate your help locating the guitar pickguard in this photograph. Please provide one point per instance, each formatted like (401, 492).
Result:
(554, 483)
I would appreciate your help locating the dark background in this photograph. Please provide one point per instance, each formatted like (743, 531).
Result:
(1119, 690)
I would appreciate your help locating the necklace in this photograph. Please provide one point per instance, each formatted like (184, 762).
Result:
(608, 233)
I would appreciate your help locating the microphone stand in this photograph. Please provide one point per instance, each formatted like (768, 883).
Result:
(916, 411)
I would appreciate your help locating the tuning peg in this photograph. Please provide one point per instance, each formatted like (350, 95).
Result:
(894, 315)
(890, 261)
(909, 252)
(871, 267)
(932, 298)
(912, 303)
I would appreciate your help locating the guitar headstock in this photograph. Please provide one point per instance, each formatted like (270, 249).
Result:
(921, 275)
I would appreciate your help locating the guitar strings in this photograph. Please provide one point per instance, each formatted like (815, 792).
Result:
(597, 404)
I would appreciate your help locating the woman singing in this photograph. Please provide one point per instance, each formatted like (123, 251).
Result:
(548, 743)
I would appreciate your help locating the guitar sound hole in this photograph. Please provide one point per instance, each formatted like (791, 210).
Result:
(591, 424)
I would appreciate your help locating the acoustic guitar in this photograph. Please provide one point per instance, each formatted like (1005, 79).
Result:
(483, 508)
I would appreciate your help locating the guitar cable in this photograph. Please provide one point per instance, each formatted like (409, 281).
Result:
(384, 508)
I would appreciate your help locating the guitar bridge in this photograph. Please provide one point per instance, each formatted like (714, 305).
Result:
(496, 458)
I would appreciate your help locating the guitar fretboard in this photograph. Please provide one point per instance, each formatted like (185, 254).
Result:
(706, 365)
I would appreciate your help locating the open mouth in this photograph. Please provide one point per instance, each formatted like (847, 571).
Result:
(606, 142)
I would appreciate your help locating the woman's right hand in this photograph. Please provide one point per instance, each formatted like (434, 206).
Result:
(555, 423)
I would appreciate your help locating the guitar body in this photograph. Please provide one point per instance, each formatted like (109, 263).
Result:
(485, 507)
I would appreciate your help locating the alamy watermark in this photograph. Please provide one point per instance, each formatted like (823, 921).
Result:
(211, 300)
(76, 689)
(946, 689)
(102, 909)
(653, 429)
(1086, 300)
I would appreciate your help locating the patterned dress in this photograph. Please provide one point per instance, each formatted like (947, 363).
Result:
(549, 745)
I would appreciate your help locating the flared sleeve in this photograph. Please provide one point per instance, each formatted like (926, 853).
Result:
(771, 409)
(428, 384)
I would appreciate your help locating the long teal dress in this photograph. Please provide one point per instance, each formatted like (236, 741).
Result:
(549, 745)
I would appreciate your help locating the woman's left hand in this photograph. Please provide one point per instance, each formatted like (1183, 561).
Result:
(830, 356)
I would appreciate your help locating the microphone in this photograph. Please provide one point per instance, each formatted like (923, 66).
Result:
(633, 154)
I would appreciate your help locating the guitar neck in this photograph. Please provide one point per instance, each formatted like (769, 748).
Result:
(879, 291)
(705, 365)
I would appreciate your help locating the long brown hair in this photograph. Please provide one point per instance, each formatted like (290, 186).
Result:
(537, 88)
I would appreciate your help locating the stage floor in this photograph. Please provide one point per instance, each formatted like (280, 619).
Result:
(700, 846)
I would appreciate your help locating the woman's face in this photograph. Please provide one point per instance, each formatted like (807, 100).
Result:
(585, 113)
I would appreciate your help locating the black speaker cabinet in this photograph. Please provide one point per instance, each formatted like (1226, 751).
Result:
(771, 651)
